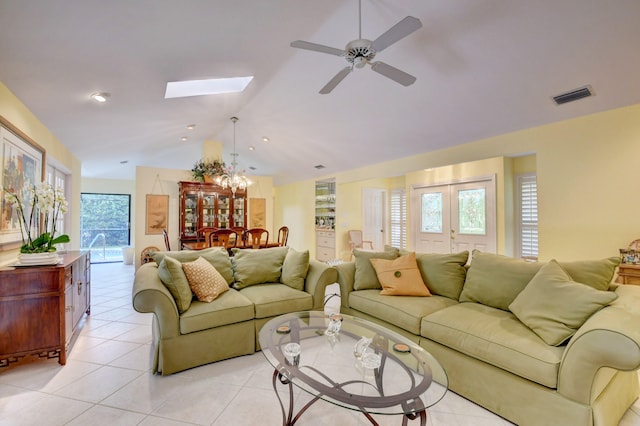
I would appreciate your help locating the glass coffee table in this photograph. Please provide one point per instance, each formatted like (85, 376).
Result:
(352, 363)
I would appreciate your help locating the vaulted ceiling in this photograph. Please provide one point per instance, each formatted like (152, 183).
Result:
(483, 67)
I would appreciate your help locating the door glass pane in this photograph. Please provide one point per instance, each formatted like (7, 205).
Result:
(471, 212)
(431, 212)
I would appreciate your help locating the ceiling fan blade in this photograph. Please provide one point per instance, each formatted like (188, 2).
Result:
(396, 33)
(335, 80)
(317, 47)
(393, 73)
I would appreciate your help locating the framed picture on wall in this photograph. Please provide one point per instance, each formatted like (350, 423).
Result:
(257, 213)
(157, 214)
(22, 161)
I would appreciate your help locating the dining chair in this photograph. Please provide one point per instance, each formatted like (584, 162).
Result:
(166, 239)
(223, 238)
(253, 238)
(283, 236)
(240, 231)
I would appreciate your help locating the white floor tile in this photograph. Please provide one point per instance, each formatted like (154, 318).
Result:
(105, 416)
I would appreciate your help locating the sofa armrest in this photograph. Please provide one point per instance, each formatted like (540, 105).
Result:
(319, 276)
(346, 277)
(610, 338)
(150, 295)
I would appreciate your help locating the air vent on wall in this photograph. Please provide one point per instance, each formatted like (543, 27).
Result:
(319, 167)
(573, 95)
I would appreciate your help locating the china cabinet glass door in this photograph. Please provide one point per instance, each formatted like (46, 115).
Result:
(190, 225)
(208, 210)
(238, 211)
(224, 204)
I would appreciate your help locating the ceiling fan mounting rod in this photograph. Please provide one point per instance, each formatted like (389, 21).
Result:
(359, 18)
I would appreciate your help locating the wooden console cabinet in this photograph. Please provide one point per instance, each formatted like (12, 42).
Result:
(41, 308)
(628, 274)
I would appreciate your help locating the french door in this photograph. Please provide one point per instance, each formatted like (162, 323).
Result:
(454, 217)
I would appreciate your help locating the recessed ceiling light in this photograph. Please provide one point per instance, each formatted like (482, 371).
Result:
(191, 126)
(252, 148)
(214, 86)
(100, 96)
(265, 139)
(183, 139)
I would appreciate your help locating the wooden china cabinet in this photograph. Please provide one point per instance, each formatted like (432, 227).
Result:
(208, 205)
(41, 308)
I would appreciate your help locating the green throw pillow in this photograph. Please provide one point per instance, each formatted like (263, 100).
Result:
(365, 276)
(295, 268)
(554, 306)
(495, 280)
(257, 266)
(594, 273)
(217, 256)
(173, 277)
(444, 274)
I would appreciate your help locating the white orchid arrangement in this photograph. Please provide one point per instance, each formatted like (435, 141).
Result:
(48, 202)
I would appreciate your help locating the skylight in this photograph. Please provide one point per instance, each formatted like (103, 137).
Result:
(214, 86)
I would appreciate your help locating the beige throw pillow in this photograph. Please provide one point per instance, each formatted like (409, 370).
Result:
(400, 277)
(205, 281)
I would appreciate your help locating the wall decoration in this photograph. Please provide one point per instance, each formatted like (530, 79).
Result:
(22, 167)
(157, 215)
(257, 213)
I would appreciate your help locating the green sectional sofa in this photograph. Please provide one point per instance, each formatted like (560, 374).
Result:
(261, 283)
(544, 343)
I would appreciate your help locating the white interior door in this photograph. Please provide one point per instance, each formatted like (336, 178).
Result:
(455, 217)
(373, 216)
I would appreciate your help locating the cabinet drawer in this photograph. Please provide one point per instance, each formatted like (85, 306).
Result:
(326, 242)
(324, 254)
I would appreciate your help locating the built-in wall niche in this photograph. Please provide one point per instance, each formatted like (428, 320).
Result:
(325, 219)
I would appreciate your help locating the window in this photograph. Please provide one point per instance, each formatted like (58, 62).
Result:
(398, 218)
(527, 216)
(58, 179)
(104, 225)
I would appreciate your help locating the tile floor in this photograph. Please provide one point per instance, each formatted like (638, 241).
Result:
(107, 381)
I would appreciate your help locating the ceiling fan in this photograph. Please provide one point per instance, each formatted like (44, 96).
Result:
(361, 52)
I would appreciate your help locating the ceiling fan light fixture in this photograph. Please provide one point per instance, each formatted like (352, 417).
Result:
(100, 97)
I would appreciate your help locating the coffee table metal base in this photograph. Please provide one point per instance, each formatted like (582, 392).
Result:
(288, 419)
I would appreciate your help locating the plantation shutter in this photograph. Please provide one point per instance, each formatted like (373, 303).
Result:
(528, 216)
(398, 218)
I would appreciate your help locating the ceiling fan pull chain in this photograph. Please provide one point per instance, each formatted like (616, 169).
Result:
(359, 18)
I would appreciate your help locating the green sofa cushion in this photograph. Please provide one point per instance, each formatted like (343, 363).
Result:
(444, 274)
(271, 299)
(217, 256)
(173, 277)
(496, 337)
(229, 308)
(405, 312)
(554, 306)
(257, 266)
(495, 280)
(295, 268)
(594, 273)
(365, 276)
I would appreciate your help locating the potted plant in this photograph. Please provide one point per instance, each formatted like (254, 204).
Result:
(205, 170)
(40, 199)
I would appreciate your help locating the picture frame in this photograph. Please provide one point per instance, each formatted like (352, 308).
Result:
(157, 214)
(22, 165)
(257, 213)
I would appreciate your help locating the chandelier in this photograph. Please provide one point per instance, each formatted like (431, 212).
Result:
(232, 178)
